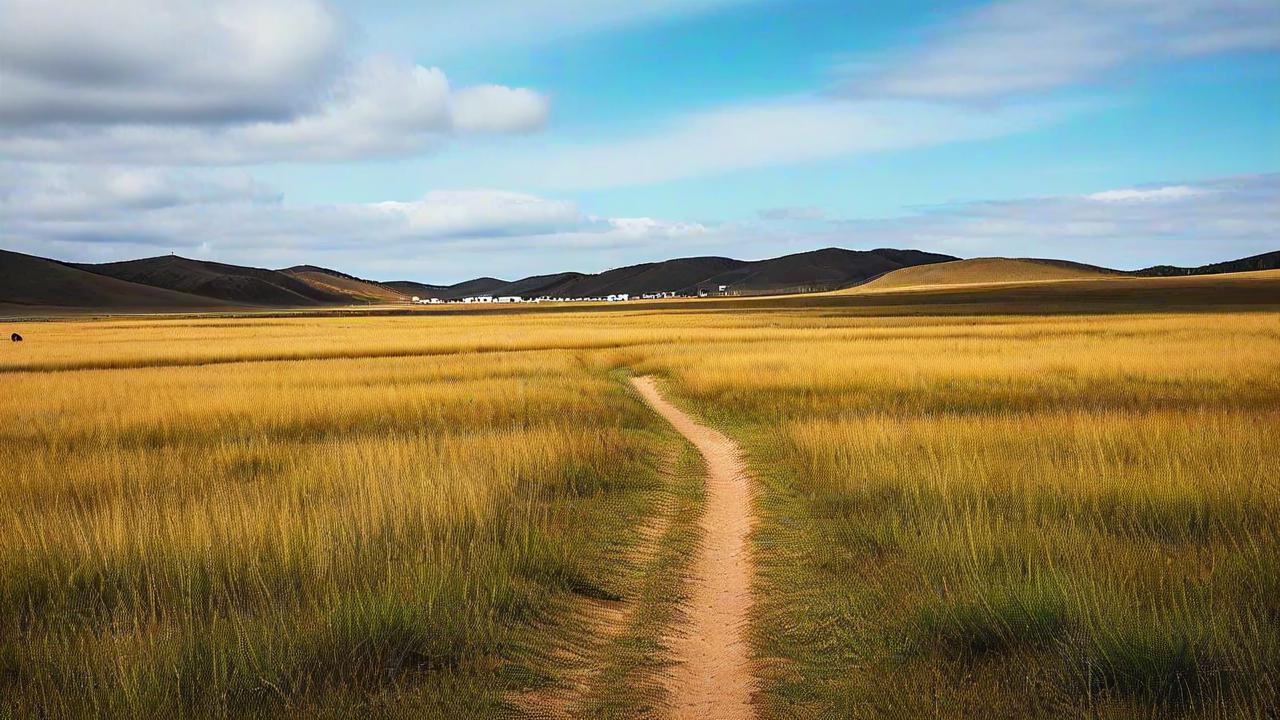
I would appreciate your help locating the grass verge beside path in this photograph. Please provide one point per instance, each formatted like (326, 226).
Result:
(628, 686)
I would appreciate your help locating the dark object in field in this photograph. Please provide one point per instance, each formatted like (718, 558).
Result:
(15, 337)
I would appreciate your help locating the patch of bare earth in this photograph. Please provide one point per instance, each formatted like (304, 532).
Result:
(712, 677)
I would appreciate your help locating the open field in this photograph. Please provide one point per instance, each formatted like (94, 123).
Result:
(1044, 500)
(259, 539)
(1022, 517)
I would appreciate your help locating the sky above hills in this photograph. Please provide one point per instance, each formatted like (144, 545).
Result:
(444, 140)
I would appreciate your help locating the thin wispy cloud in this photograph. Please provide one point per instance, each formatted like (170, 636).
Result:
(1192, 224)
(1019, 46)
(777, 132)
(805, 212)
(457, 26)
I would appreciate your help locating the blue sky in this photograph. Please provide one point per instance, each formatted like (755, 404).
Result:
(446, 140)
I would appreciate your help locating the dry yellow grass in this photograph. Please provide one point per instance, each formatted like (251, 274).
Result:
(1026, 516)
(299, 537)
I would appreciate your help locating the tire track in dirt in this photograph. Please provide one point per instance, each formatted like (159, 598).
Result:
(712, 679)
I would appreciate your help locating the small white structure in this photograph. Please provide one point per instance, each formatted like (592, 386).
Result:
(416, 299)
(619, 297)
(509, 299)
(478, 299)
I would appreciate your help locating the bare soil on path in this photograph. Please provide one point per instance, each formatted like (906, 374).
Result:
(712, 678)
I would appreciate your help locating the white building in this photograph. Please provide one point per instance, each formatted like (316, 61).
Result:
(509, 299)
(478, 299)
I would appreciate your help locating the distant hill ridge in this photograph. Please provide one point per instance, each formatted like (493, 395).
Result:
(350, 286)
(173, 282)
(233, 283)
(986, 270)
(826, 269)
(31, 280)
(1265, 261)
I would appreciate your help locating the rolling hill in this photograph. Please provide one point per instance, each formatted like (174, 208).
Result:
(337, 283)
(171, 282)
(826, 269)
(1265, 261)
(233, 283)
(409, 288)
(478, 286)
(980, 271)
(35, 281)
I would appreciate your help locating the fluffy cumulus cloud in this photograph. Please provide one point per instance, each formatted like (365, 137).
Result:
(1017, 46)
(222, 82)
(1187, 224)
(163, 60)
(111, 114)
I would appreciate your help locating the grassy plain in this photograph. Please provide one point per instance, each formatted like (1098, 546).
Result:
(960, 514)
(306, 537)
(1012, 517)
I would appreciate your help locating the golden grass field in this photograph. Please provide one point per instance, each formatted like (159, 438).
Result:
(959, 515)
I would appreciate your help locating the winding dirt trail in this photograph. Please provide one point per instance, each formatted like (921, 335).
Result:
(712, 679)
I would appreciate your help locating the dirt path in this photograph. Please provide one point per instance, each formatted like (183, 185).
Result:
(713, 679)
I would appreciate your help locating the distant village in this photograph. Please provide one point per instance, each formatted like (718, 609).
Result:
(619, 297)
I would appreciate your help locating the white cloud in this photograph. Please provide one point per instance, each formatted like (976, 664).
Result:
(1169, 192)
(44, 193)
(109, 213)
(163, 60)
(645, 228)
(499, 109)
(462, 25)
(1187, 224)
(783, 131)
(222, 82)
(806, 212)
(379, 108)
(472, 213)
(1017, 46)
